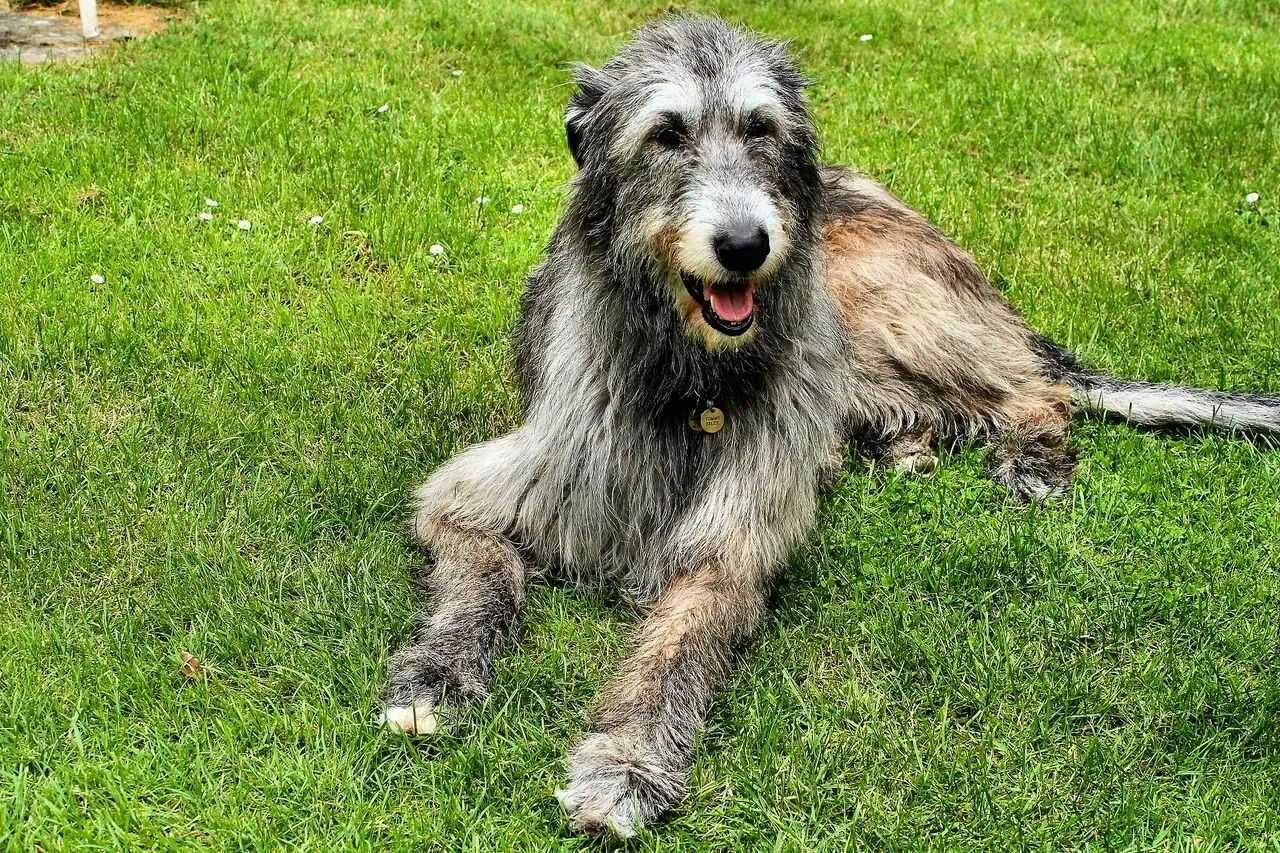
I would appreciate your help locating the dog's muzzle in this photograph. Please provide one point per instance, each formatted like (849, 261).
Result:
(728, 307)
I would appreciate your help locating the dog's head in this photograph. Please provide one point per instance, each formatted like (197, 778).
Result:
(697, 160)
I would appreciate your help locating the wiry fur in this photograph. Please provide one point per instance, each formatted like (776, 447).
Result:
(868, 324)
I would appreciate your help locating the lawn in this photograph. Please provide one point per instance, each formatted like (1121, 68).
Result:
(209, 448)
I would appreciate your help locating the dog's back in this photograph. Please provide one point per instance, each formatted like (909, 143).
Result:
(934, 345)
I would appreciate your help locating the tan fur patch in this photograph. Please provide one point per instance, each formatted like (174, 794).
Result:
(924, 322)
(688, 602)
(699, 609)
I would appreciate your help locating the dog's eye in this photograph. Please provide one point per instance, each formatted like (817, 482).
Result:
(759, 127)
(669, 137)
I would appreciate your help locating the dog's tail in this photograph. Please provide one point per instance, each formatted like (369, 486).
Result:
(1157, 405)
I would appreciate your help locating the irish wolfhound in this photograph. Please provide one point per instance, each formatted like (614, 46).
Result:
(716, 315)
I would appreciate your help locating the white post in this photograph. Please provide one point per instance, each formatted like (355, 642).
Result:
(89, 18)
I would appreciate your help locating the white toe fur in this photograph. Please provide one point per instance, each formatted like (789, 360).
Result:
(598, 805)
(415, 719)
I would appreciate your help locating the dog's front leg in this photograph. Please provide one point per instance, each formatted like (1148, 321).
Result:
(635, 764)
(474, 592)
(474, 587)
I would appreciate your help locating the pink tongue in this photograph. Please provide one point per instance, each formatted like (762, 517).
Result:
(731, 303)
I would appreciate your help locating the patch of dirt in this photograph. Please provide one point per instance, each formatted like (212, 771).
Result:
(43, 34)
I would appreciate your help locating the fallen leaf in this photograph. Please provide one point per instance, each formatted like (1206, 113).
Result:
(192, 668)
(89, 194)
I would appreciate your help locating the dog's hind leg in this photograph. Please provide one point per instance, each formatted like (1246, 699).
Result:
(473, 592)
(1032, 459)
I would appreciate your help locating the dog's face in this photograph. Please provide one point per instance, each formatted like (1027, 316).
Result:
(698, 150)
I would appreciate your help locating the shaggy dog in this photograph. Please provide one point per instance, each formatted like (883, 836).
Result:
(717, 315)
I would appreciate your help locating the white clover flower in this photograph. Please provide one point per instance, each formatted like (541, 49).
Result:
(865, 37)
(316, 220)
(457, 72)
(244, 225)
(482, 199)
(97, 278)
(208, 202)
(204, 216)
(436, 249)
(383, 108)
(1251, 198)
(517, 209)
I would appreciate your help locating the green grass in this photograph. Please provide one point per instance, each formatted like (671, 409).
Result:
(211, 451)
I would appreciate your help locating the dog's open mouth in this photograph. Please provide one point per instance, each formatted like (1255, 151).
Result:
(728, 307)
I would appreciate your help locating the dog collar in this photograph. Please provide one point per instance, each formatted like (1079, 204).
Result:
(705, 417)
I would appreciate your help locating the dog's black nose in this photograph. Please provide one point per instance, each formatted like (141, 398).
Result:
(743, 249)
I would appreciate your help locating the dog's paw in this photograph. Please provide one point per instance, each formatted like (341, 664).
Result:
(416, 718)
(612, 788)
(917, 464)
(421, 676)
(1037, 473)
(913, 453)
(1034, 489)
(597, 806)
(1034, 464)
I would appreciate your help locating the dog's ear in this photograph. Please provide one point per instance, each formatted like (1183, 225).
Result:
(591, 86)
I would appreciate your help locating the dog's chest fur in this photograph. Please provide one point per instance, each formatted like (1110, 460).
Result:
(608, 472)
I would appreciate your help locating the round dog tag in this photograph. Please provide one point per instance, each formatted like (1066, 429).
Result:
(711, 420)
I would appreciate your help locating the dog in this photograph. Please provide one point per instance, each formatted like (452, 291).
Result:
(718, 315)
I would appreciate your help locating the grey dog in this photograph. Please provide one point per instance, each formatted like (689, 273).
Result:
(716, 317)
